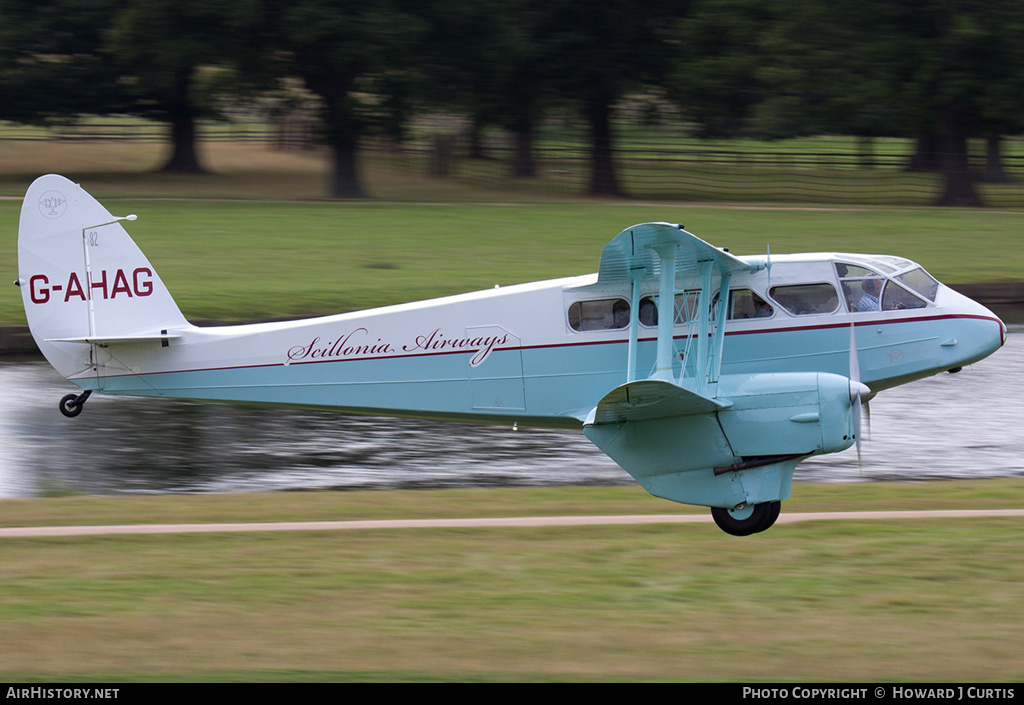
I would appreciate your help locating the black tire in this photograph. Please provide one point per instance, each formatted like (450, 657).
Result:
(774, 512)
(70, 407)
(761, 518)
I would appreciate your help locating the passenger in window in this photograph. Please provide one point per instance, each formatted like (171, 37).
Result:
(648, 312)
(872, 290)
(620, 314)
(764, 309)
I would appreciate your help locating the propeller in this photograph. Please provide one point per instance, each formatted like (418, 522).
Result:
(858, 390)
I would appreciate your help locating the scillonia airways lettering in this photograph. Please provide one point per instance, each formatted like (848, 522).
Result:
(359, 343)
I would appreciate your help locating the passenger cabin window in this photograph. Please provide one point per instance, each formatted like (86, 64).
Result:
(744, 303)
(806, 299)
(685, 307)
(602, 314)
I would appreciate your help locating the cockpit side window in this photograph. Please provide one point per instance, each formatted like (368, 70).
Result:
(920, 281)
(600, 314)
(862, 287)
(897, 298)
(866, 290)
(806, 299)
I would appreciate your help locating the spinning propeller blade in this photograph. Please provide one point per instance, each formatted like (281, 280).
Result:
(857, 389)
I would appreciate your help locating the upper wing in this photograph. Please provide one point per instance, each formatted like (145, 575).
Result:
(636, 248)
(666, 255)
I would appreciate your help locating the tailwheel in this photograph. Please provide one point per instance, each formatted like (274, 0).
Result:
(72, 404)
(747, 519)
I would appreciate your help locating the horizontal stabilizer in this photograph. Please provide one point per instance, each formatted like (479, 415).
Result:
(118, 340)
(650, 399)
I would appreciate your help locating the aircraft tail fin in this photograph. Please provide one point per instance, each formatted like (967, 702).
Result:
(83, 280)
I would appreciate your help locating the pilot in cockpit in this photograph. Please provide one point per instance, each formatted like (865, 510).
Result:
(869, 301)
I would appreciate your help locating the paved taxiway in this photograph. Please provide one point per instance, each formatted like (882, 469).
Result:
(784, 518)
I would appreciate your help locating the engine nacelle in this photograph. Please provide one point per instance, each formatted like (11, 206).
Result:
(787, 413)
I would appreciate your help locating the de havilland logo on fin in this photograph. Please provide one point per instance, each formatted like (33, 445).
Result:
(53, 204)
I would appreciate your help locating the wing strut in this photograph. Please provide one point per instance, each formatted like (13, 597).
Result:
(666, 310)
(636, 275)
(635, 254)
(715, 364)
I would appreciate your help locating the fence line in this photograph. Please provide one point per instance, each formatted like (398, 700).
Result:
(742, 175)
(843, 173)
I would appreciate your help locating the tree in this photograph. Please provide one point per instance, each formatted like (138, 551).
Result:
(597, 53)
(358, 58)
(938, 71)
(485, 59)
(162, 46)
(959, 71)
(64, 59)
(715, 75)
(52, 65)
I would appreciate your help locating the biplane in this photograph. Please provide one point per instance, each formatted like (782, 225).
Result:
(706, 376)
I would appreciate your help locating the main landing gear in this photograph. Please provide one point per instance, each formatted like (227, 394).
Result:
(747, 519)
(72, 404)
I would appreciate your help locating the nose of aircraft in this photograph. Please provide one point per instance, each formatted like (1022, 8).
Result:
(979, 332)
(997, 333)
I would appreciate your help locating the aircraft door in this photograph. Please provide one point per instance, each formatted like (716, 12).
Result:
(496, 370)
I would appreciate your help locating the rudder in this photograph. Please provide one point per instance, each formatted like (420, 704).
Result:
(83, 279)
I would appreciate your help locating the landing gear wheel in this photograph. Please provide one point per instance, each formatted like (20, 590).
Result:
(773, 514)
(72, 404)
(747, 520)
(70, 407)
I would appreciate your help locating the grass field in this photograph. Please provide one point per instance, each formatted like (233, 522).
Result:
(909, 600)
